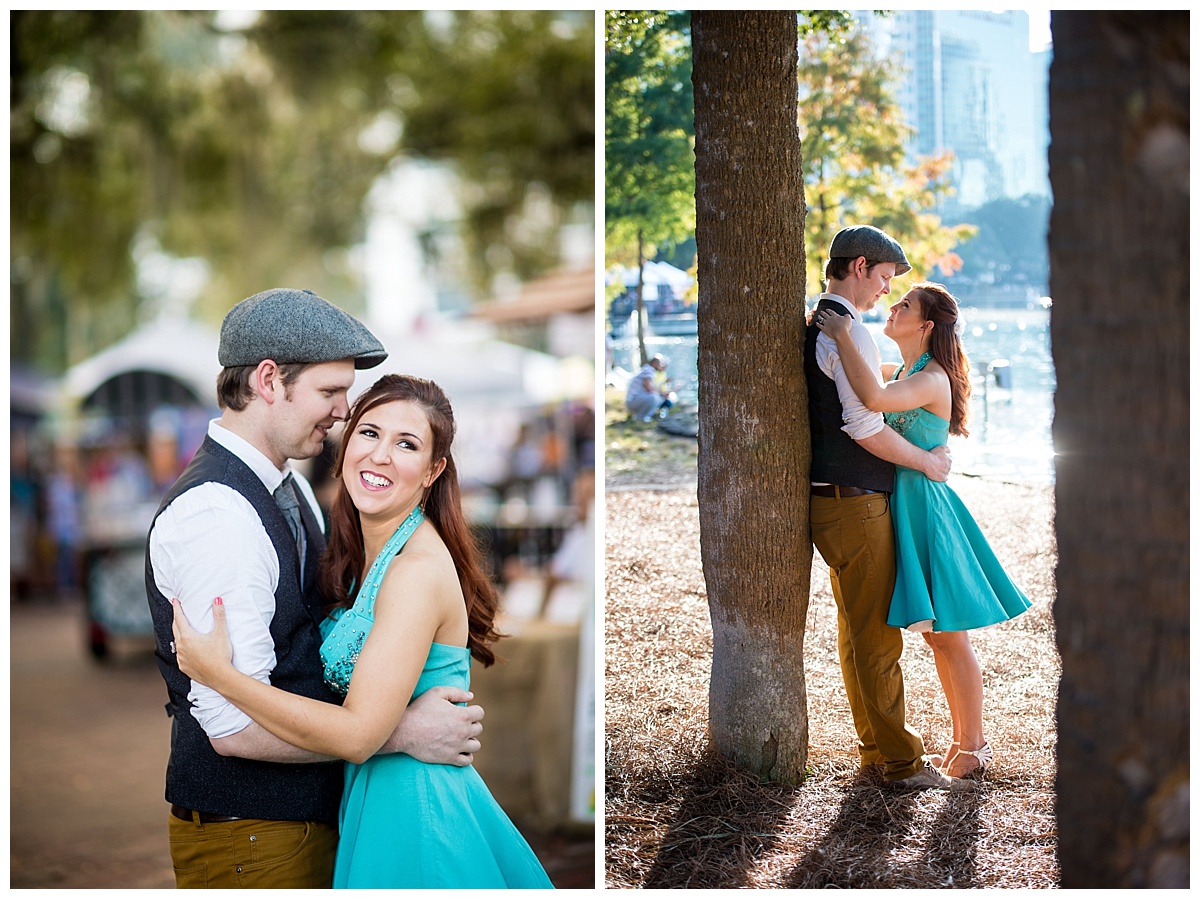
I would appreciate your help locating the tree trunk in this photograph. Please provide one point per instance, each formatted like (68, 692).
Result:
(640, 306)
(1120, 276)
(754, 439)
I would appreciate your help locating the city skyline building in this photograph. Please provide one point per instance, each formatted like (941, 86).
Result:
(970, 84)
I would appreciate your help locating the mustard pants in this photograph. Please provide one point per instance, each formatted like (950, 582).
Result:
(251, 853)
(854, 536)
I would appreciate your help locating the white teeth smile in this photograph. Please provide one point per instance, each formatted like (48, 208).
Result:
(376, 480)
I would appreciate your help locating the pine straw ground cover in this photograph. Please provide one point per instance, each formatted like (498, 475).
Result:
(676, 816)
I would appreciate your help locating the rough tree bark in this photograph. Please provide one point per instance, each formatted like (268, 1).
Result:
(1120, 278)
(754, 440)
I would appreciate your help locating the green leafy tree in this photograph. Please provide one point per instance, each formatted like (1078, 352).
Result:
(853, 135)
(649, 179)
(253, 145)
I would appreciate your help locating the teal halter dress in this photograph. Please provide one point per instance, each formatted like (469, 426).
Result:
(947, 577)
(405, 823)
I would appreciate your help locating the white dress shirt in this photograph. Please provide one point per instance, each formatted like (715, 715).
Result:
(857, 420)
(210, 542)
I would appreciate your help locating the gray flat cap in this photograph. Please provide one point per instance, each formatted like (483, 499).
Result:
(289, 325)
(869, 241)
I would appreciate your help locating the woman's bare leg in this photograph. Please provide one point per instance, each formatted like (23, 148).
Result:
(962, 680)
(943, 671)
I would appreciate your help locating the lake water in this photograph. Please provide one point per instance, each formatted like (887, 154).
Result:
(1010, 412)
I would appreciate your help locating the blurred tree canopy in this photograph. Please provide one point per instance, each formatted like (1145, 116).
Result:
(851, 131)
(251, 143)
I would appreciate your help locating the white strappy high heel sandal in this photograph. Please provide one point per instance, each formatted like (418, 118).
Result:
(983, 755)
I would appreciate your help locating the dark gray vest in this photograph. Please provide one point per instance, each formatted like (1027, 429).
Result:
(197, 777)
(836, 457)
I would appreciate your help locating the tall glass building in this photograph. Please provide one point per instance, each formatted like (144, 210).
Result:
(971, 85)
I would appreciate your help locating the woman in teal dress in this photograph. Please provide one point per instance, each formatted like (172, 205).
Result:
(948, 580)
(425, 607)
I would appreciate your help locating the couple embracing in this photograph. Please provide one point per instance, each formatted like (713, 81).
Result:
(286, 652)
(902, 549)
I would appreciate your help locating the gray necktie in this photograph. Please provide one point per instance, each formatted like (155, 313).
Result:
(289, 504)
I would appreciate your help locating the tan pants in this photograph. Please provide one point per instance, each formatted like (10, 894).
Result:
(251, 853)
(854, 536)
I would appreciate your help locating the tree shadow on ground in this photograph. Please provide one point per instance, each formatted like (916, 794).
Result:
(859, 849)
(726, 823)
(953, 844)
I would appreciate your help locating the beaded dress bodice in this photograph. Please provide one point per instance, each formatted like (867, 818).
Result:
(919, 426)
(345, 629)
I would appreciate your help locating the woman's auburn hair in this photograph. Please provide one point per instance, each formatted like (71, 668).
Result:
(345, 561)
(939, 306)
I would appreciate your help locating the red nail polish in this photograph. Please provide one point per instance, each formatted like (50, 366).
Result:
(219, 601)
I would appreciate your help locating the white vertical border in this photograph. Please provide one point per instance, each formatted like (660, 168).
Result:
(600, 504)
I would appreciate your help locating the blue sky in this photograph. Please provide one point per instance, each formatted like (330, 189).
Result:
(1039, 28)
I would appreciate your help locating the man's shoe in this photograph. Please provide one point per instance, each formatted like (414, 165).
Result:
(929, 778)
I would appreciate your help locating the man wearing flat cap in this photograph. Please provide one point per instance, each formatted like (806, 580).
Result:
(247, 809)
(854, 455)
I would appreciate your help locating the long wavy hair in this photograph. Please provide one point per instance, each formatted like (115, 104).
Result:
(345, 558)
(939, 306)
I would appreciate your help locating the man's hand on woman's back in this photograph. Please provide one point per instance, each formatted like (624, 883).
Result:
(939, 464)
(436, 730)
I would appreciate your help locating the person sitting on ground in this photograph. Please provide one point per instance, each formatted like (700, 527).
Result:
(646, 396)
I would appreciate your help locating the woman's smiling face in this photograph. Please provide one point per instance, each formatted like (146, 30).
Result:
(388, 463)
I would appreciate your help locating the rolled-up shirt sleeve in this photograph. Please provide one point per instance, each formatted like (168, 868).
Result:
(857, 420)
(210, 542)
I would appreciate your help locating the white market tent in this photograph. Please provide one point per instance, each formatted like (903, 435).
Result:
(469, 365)
(183, 350)
(657, 273)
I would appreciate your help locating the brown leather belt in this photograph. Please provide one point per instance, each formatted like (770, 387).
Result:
(205, 818)
(837, 491)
